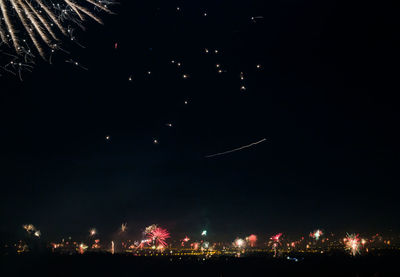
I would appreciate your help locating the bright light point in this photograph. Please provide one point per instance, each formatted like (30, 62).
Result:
(124, 227)
(204, 233)
(92, 232)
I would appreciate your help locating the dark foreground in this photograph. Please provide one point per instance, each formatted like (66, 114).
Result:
(383, 264)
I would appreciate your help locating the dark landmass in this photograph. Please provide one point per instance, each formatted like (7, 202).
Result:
(376, 265)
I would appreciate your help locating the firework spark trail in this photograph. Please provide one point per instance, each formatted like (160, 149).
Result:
(99, 6)
(3, 35)
(29, 30)
(236, 149)
(9, 26)
(52, 17)
(84, 10)
(42, 20)
(37, 19)
(34, 22)
(75, 9)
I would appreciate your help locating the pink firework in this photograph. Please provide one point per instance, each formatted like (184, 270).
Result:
(276, 242)
(252, 239)
(186, 239)
(276, 238)
(158, 236)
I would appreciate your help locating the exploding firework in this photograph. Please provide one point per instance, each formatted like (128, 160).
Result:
(42, 21)
(124, 227)
(92, 232)
(277, 238)
(252, 239)
(31, 27)
(239, 243)
(82, 248)
(353, 244)
(29, 227)
(276, 242)
(363, 242)
(185, 239)
(205, 246)
(316, 234)
(150, 228)
(195, 246)
(157, 235)
(112, 250)
(31, 230)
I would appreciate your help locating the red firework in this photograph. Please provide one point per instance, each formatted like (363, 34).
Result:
(158, 236)
(252, 239)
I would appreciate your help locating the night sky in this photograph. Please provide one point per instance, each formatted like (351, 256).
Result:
(325, 98)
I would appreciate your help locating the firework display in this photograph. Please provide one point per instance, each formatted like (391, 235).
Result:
(158, 240)
(40, 20)
(38, 27)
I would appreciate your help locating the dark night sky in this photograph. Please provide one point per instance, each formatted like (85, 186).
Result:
(325, 99)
